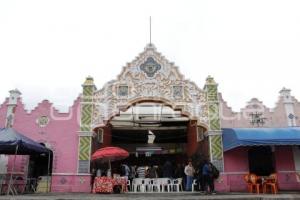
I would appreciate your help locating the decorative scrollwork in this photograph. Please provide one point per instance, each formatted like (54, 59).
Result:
(149, 77)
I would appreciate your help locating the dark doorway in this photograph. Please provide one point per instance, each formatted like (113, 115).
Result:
(40, 165)
(261, 160)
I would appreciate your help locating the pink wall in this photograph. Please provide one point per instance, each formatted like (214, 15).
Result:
(3, 109)
(285, 167)
(62, 135)
(236, 160)
(275, 117)
(235, 167)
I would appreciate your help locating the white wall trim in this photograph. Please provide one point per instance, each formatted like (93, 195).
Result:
(215, 132)
(70, 174)
(234, 173)
(85, 133)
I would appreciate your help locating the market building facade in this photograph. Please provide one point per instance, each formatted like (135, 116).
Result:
(151, 96)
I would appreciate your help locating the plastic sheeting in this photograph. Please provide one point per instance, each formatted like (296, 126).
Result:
(10, 139)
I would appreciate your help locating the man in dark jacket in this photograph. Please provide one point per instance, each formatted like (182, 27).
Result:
(207, 173)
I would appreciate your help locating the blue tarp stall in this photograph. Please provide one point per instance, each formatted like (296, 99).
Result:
(235, 137)
(14, 143)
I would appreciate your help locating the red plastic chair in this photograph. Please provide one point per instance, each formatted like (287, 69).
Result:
(248, 182)
(254, 180)
(272, 183)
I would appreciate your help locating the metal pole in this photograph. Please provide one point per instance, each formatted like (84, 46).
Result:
(109, 166)
(150, 31)
(12, 170)
(48, 171)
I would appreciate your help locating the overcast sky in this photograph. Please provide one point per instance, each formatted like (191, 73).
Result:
(47, 48)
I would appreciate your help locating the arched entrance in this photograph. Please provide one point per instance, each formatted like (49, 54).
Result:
(153, 131)
(150, 78)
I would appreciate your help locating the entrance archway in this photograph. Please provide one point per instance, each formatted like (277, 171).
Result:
(152, 131)
(149, 78)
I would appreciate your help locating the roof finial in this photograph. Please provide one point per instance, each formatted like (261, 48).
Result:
(150, 31)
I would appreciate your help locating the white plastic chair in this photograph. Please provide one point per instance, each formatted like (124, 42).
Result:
(165, 182)
(177, 185)
(128, 185)
(148, 184)
(155, 185)
(194, 185)
(2, 182)
(137, 185)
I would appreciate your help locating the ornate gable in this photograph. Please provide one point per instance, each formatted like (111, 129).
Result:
(150, 77)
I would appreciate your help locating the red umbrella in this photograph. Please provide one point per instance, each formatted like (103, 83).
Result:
(110, 154)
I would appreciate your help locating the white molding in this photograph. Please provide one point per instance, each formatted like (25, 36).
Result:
(247, 172)
(85, 133)
(293, 171)
(70, 174)
(234, 173)
(214, 132)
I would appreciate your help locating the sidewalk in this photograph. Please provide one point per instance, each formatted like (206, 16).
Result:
(151, 196)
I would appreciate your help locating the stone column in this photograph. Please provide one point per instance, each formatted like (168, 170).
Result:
(11, 106)
(288, 104)
(85, 133)
(214, 132)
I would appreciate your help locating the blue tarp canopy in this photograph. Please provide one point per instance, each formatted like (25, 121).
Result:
(11, 139)
(235, 137)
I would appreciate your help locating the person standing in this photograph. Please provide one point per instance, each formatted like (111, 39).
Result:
(208, 177)
(168, 170)
(125, 170)
(201, 177)
(152, 172)
(189, 172)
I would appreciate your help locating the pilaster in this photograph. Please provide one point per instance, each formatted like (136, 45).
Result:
(85, 134)
(288, 106)
(214, 132)
(11, 107)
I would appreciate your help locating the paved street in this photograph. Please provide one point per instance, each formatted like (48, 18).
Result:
(161, 196)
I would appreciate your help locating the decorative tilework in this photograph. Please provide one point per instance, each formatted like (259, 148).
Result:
(217, 149)
(177, 91)
(86, 117)
(42, 121)
(84, 148)
(123, 90)
(216, 146)
(150, 67)
(85, 125)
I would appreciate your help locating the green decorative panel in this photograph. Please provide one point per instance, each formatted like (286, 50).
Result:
(84, 148)
(212, 93)
(215, 124)
(213, 110)
(86, 117)
(214, 116)
(85, 126)
(216, 147)
(88, 93)
(215, 134)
